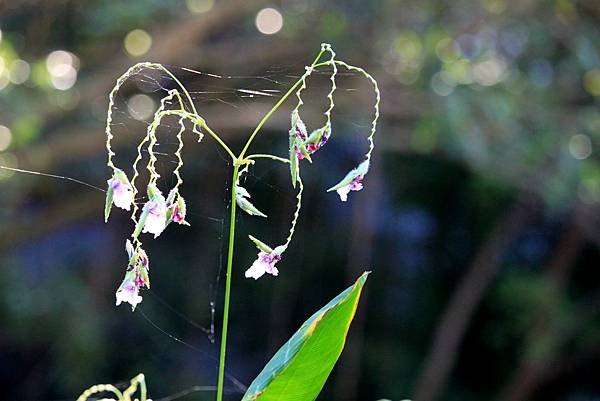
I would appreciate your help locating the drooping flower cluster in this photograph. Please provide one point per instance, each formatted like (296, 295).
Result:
(302, 144)
(136, 276)
(157, 213)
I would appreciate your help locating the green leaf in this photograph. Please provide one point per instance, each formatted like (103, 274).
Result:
(300, 368)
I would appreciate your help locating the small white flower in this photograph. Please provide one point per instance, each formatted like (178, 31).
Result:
(355, 185)
(128, 292)
(265, 263)
(122, 192)
(156, 214)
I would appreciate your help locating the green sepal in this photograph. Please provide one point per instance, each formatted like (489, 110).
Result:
(249, 208)
(241, 195)
(317, 135)
(153, 192)
(134, 259)
(140, 223)
(171, 196)
(169, 215)
(145, 276)
(121, 176)
(362, 169)
(302, 148)
(109, 202)
(293, 166)
(260, 245)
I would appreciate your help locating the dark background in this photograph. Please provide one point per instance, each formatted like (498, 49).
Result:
(479, 218)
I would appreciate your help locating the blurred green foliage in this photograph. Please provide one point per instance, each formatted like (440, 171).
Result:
(485, 103)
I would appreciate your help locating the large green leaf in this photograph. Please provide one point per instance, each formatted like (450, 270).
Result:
(300, 368)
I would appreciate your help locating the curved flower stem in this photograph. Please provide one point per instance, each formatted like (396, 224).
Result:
(264, 156)
(277, 105)
(220, 380)
(100, 388)
(238, 161)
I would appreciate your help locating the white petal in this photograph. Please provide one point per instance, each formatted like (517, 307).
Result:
(155, 224)
(123, 198)
(257, 270)
(343, 193)
(129, 248)
(131, 297)
(272, 270)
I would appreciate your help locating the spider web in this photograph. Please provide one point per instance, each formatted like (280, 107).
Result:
(232, 104)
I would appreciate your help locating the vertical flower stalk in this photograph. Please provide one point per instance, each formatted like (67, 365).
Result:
(158, 212)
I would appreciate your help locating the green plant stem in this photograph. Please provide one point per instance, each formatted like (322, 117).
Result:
(223, 353)
(236, 161)
(274, 109)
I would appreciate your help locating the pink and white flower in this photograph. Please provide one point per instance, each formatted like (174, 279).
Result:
(136, 277)
(122, 192)
(265, 263)
(178, 211)
(315, 141)
(354, 185)
(156, 220)
(129, 292)
(155, 212)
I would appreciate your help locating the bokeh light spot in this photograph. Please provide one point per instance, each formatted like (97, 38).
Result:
(199, 6)
(141, 107)
(441, 85)
(137, 42)
(5, 138)
(490, 71)
(446, 50)
(19, 71)
(62, 67)
(269, 21)
(580, 146)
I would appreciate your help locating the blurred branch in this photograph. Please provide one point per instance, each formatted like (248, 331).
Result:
(465, 299)
(547, 329)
